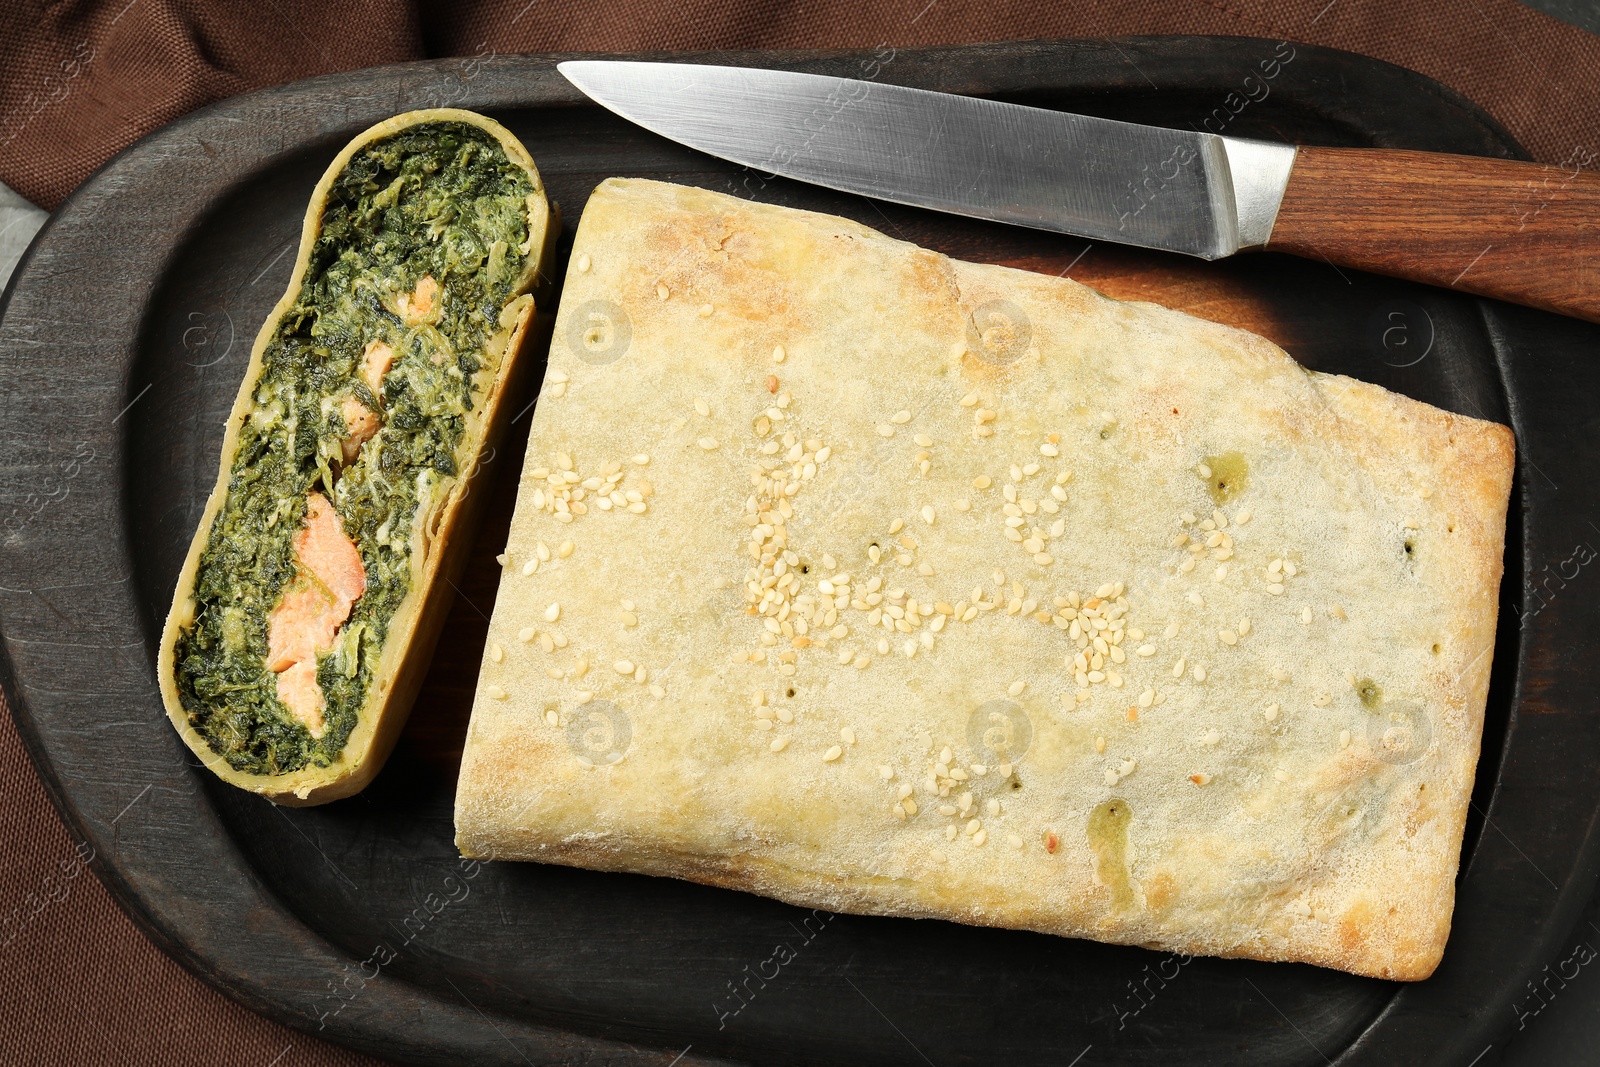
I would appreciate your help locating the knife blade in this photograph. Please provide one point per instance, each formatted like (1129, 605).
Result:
(1502, 228)
(1179, 190)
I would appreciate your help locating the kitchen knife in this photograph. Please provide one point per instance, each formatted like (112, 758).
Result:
(1523, 232)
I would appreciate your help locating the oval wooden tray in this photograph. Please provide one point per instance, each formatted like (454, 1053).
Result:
(125, 332)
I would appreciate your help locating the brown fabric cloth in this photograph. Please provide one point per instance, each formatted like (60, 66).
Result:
(78, 82)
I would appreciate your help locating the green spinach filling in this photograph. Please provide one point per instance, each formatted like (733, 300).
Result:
(439, 200)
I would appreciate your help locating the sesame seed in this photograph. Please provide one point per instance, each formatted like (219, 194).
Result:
(661, 291)
(1337, 612)
(1199, 673)
(1228, 637)
(1050, 451)
(1204, 471)
(623, 666)
(1281, 775)
(1243, 517)
(702, 408)
(785, 715)
(1275, 589)
(1271, 713)
(657, 692)
(1016, 687)
(979, 838)
(1014, 840)
(707, 443)
(1305, 616)
(1178, 667)
(779, 743)
(779, 354)
(928, 514)
(584, 696)
(885, 771)
(970, 399)
(950, 832)
(565, 550)
(1200, 779)
(494, 692)
(832, 754)
(1322, 700)
(1279, 674)
(552, 613)
(896, 526)
(1244, 627)
(706, 310)
(546, 642)
(885, 430)
(496, 653)
(1344, 738)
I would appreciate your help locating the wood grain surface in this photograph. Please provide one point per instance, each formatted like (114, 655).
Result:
(1524, 232)
(125, 334)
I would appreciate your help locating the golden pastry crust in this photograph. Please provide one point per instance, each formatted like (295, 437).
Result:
(438, 554)
(1267, 747)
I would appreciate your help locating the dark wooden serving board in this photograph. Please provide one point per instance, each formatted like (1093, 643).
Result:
(126, 330)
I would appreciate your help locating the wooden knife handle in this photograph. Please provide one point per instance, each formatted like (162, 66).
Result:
(1523, 232)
